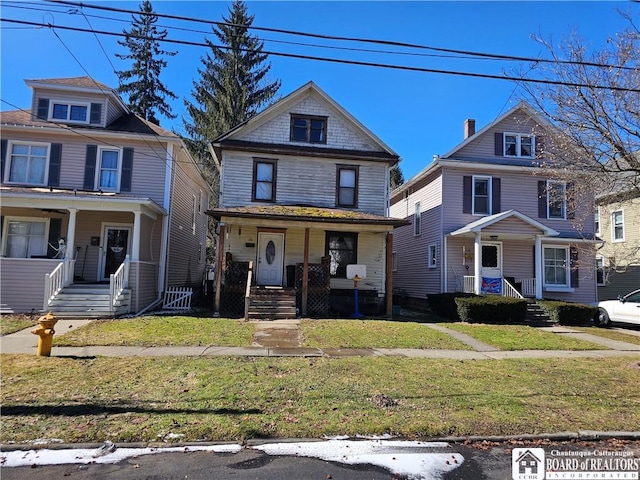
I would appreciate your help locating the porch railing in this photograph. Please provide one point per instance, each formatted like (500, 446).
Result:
(118, 281)
(509, 290)
(528, 287)
(247, 293)
(468, 285)
(60, 277)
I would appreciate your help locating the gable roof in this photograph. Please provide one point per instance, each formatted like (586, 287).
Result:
(484, 222)
(286, 102)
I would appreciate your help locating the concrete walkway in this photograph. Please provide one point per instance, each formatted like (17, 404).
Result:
(283, 339)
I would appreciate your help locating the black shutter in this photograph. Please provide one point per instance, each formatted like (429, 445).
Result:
(499, 144)
(466, 194)
(573, 255)
(495, 196)
(90, 167)
(3, 158)
(43, 108)
(542, 199)
(55, 227)
(55, 161)
(539, 139)
(570, 201)
(127, 169)
(96, 113)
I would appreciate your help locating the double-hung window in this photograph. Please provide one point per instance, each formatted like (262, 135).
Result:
(342, 250)
(556, 199)
(417, 219)
(69, 112)
(108, 169)
(264, 180)
(433, 258)
(596, 221)
(617, 226)
(519, 145)
(556, 266)
(28, 163)
(481, 195)
(600, 273)
(308, 129)
(25, 238)
(347, 188)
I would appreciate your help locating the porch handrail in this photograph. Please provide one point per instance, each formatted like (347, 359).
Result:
(247, 292)
(528, 286)
(469, 284)
(53, 283)
(509, 290)
(118, 281)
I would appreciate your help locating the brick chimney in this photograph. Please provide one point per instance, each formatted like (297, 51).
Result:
(469, 127)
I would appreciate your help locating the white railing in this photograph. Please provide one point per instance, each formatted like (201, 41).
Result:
(53, 283)
(247, 293)
(528, 286)
(118, 281)
(468, 284)
(509, 290)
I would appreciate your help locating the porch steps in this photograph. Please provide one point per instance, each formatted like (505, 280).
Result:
(88, 301)
(535, 314)
(272, 303)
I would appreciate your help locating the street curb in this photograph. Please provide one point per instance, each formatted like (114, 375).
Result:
(584, 435)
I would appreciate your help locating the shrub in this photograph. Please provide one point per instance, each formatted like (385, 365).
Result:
(490, 309)
(444, 304)
(567, 313)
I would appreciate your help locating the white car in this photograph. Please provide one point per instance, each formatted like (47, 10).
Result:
(625, 309)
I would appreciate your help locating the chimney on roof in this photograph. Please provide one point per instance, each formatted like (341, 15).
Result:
(469, 127)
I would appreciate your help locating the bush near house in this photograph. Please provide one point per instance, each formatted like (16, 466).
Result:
(490, 309)
(567, 313)
(444, 304)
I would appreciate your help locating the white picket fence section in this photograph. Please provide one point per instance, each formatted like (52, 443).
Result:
(177, 298)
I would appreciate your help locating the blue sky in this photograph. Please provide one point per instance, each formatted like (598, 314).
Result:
(417, 114)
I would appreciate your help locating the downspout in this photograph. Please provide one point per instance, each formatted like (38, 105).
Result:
(164, 244)
(445, 279)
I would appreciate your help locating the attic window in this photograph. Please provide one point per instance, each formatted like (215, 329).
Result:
(519, 145)
(69, 112)
(308, 129)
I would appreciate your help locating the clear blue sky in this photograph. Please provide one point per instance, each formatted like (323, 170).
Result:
(417, 114)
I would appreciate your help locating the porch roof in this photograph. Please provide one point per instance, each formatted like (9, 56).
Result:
(302, 213)
(484, 222)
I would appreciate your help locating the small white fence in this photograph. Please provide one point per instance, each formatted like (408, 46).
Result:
(177, 298)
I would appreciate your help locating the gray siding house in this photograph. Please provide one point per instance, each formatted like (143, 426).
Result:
(485, 220)
(95, 197)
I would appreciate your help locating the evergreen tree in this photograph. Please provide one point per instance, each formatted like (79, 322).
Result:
(232, 85)
(395, 177)
(147, 94)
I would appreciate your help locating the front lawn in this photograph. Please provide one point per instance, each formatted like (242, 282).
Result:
(15, 323)
(518, 337)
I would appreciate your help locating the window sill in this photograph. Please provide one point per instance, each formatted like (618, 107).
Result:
(559, 289)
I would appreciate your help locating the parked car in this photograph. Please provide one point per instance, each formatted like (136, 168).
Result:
(625, 309)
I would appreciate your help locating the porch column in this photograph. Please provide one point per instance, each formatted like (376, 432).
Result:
(71, 234)
(305, 273)
(216, 306)
(538, 265)
(389, 275)
(477, 264)
(135, 243)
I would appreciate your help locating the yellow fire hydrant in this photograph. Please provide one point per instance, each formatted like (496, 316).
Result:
(45, 331)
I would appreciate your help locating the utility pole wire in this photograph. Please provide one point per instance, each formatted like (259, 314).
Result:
(340, 61)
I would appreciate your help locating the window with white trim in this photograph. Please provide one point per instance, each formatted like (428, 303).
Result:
(417, 227)
(433, 258)
(617, 226)
(596, 221)
(394, 261)
(481, 196)
(69, 112)
(28, 163)
(108, 170)
(556, 266)
(519, 145)
(600, 272)
(556, 199)
(194, 214)
(25, 237)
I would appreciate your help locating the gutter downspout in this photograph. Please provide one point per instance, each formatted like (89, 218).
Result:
(445, 279)
(164, 244)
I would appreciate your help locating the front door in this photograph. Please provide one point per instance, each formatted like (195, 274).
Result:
(270, 259)
(116, 244)
(491, 268)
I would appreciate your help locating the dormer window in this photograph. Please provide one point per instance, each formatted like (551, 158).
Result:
(69, 112)
(308, 129)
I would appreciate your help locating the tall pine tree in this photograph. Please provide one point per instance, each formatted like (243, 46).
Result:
(147, 94)
(232, 86)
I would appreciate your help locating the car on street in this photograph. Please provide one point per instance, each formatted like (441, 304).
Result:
(625, 309)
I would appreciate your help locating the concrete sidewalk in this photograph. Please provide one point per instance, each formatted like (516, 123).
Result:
(283, 339)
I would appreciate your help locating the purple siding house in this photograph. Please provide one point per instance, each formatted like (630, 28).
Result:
(486, 220)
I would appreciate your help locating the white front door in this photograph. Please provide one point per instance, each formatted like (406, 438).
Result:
(491, 268)
(270, 259)
(116, 243)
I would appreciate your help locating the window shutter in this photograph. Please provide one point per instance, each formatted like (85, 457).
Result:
(466, 194)
(570, 201)
(542, 199)
(3, 158)
(573, 255)
(55, 161)
(499, 144)
(43, 108)
(495, 196)
(90, 167)
(96, 113)
(127, 169)
(55, 226)
(539, 139)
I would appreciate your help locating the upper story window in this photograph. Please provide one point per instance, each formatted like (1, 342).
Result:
(556, 199)
(25, 238)
(481, 195)
(596, 221)
(108, 169)
(28, 163)
(417, 219)
(347, 186)
(264, 180)
(519, 145)
(308, 129)
(69, 112)
(617, 226)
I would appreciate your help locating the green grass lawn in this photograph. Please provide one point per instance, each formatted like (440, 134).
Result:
(221, 398)
(15, 323)
(611, 334)
(375, 334)
(518, 337)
